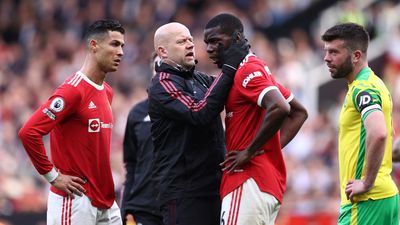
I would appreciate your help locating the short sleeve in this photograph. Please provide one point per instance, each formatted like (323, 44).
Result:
(254, 80)
(285, 92)
(367, 101)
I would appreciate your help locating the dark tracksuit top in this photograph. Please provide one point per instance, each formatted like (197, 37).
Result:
(140, 189)
(187, 131)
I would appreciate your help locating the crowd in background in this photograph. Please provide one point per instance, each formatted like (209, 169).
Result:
(41, 45)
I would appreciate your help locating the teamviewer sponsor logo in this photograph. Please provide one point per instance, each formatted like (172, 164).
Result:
(94, 125)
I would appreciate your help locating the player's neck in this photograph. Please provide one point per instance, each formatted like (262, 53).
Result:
(356, 71)
(92, 71)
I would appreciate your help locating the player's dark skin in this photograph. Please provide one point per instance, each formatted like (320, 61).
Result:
(279, 114)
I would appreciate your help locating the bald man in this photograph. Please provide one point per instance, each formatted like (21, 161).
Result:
(184, 107)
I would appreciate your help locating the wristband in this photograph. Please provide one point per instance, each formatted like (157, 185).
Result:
(51, 176)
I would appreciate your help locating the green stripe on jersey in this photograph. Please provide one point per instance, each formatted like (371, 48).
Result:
(352, 136)
(361, 153)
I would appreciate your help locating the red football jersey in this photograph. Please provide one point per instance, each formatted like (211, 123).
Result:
(79, 118)
(244, 116)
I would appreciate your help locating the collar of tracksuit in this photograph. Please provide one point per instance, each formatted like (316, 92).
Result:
(178, 70)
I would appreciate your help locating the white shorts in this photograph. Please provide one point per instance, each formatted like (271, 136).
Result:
(247, 204)
(79, 211)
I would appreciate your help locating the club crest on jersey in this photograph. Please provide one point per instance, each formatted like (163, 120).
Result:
(94, 125)
(57, 105)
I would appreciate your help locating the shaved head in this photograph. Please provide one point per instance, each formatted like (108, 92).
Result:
(173, 43)
(164, 33)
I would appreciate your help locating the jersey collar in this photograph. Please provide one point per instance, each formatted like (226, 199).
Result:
(98, 87)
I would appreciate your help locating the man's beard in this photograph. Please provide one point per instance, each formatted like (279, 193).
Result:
(345, 69)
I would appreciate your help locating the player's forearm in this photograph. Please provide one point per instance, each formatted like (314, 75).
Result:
(375, 151)
(272, 123)
(292, 124)
(178, 104)
(34, 146)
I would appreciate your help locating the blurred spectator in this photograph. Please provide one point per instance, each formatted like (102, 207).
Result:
(351, 12)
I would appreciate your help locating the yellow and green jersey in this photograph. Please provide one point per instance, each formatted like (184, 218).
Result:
(366, 94)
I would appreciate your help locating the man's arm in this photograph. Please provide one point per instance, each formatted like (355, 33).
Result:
(130, 145)
(170, 94)
(376, 134)
(277, 109)
(293, 122)
(31, 135)
(41, 123)
(130, 150)
(396, 151)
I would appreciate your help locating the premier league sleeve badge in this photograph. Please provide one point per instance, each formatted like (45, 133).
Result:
(57, 105)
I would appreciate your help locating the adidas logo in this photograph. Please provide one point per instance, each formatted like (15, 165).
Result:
(91, 105)
(146, 119)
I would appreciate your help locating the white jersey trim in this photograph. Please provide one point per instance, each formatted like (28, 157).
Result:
(291, 97)
(98, 87)
(371, 107)
(263, 92)
(75, 80)
(51, 176)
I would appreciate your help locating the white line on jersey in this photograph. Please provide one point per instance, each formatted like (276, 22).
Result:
(75, 80)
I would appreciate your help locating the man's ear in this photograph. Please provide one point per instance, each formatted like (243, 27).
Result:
(162, 52)
(93, 45)
(236, 36)
(357, 55)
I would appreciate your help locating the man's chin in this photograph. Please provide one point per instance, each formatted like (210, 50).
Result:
(190, 64)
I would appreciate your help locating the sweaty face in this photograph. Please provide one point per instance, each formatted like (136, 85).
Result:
(213, 37)
(109, 51)
(338, 59)
(180, 48)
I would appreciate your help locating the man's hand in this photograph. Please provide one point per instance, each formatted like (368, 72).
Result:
(356, 187)
(130, 220)
(230, 58)
(69, 184)
(235, 159)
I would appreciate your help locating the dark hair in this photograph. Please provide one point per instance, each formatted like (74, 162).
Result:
(101, 27)
(354, 35)
(227, 22)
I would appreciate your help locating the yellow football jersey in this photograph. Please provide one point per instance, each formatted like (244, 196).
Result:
(366, 94)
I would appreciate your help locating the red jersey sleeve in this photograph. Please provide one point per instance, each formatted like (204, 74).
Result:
(254, 80)
(285, 92)
(58, 107)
